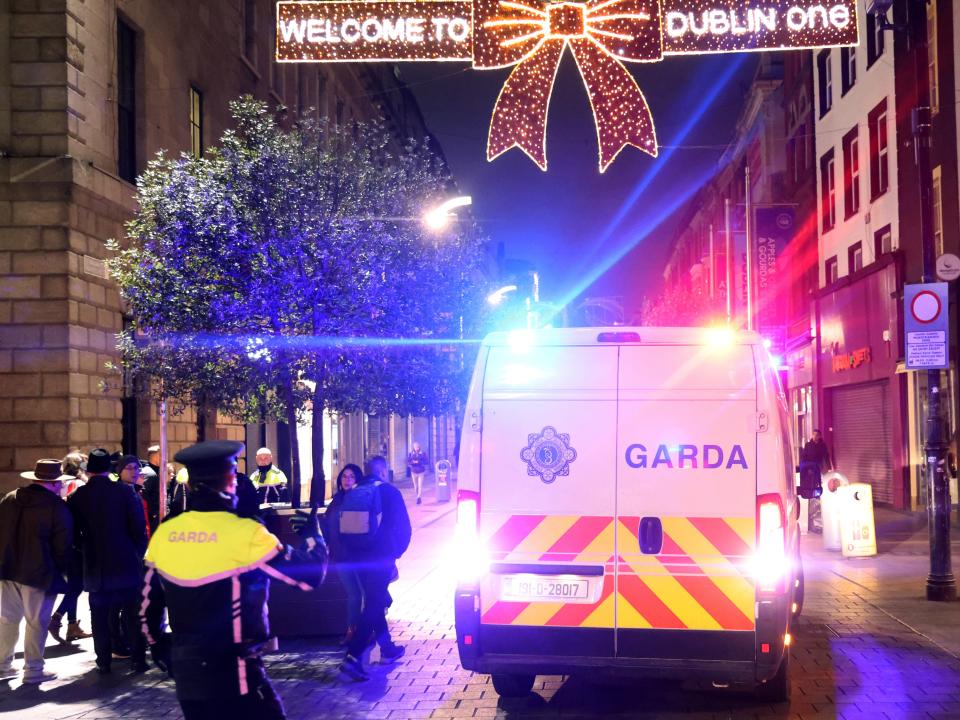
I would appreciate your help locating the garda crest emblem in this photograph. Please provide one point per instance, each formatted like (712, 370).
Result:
(548, 454)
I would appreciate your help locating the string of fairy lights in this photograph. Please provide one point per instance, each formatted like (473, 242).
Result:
(531, 36)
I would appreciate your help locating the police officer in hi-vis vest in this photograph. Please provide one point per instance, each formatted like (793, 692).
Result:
(271, 482)
(212, 569)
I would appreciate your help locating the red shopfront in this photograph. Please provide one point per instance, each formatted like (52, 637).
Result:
(862, 397)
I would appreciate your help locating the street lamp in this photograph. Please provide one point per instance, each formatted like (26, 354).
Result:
(439, 217)
(497, 296)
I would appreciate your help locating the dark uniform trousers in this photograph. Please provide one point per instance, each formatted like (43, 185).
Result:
(261, 703)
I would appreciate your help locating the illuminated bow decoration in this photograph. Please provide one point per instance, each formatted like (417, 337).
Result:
(532, 35)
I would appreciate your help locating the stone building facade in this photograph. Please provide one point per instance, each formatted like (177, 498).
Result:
(89, 91)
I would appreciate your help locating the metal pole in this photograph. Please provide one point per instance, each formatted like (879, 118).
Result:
(749, 243)
(729, 258)
(164, 480)
(712, 268)
(940, 582)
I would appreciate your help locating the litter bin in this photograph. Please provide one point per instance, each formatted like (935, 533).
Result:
(831, 508)
(857, 531)
(443, 481)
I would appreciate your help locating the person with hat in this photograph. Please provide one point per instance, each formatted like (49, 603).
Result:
(36, 534)
(213, 570)
(112, 537)
(269, 480)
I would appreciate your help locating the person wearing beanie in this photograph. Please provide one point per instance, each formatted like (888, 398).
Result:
(112, 537)
(203, 563)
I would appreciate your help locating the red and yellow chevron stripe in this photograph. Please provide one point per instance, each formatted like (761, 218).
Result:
(699, 580)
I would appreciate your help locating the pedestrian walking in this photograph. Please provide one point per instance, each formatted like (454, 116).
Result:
(374, 532)
(418, 462)
(36, 532)
(348, 479)
(212, 570)
(112, 535)
(73, 465)
(270, 480)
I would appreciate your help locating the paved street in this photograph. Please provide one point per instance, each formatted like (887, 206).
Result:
(868, 646)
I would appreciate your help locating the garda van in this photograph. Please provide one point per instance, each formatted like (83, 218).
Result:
(627, 503)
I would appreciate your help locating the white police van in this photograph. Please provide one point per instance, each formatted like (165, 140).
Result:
(627, 504)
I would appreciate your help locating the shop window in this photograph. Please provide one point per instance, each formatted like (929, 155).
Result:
(828, 192)
(883, 241)
(879, 150)
(848, 69)
(937, 212)
(831, 271)
(851, 173)
(126, 101)
(855, 257)
(875, 39)
(196, 122)
(825, 81)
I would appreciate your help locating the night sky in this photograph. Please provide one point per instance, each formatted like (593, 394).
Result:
(588, 234)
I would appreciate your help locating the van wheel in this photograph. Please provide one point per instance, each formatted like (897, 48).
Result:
(512, 686)
(798, 590)
(777, 688)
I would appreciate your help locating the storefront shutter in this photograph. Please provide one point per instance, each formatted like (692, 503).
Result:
(861, 437)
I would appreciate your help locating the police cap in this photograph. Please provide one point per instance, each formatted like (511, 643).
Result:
(208, 461)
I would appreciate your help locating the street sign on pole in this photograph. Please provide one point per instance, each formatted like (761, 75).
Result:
(925, 324)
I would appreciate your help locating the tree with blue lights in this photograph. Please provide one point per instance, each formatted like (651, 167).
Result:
(289, 268)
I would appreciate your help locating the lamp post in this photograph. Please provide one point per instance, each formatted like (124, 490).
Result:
(940, 582)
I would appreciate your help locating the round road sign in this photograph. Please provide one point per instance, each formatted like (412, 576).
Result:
(948, 267)
(925, 307)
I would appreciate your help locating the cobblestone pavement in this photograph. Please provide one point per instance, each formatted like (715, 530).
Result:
(868, 646)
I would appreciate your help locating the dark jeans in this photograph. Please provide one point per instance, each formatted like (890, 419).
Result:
(261, 703)
(127, 604)
(68, 606)
(351, 585)
(375, 582)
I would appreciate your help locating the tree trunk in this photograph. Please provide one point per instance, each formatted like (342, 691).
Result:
(201, 420)
(291, 412)
(318, 484)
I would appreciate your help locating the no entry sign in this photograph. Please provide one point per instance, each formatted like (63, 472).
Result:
(925, 324)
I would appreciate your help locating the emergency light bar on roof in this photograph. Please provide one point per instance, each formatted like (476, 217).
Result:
(623, 335)
(532, 35)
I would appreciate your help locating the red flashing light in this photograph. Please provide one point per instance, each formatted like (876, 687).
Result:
(765, 648)
(468, 639)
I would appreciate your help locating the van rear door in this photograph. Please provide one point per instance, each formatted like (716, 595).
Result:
(686, 503)
(547, 500)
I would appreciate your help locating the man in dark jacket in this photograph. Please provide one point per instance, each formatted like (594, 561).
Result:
(111, 534)
(377, 567)
(214, 571)
(36, 533)
(816, 451)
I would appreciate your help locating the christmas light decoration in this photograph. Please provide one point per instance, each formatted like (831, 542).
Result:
(531, 35)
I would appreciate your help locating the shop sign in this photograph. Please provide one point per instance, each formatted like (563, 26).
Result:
(855, 359)
(531, 37)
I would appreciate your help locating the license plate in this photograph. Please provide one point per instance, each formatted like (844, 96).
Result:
(544, 588)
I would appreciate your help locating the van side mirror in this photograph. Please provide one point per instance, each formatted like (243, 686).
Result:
(811, 486)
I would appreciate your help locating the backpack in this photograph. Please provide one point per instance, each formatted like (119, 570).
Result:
(360, 516)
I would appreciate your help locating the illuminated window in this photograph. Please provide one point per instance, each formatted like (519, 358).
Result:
(883, 241)
(875, 39)
(879, 150)
(851, 173)
(825, 80)
(250, 31)
(828, 192)
(196, 122)
(126, 101)
(848, 68)
(932, 65)
(831, 271)
(855, 258)
(937, 212)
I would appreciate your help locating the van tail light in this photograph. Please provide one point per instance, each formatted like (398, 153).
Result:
(472, 559)
(771, 565)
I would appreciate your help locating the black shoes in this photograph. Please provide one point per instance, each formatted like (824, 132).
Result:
(353, 668)
(392, 653)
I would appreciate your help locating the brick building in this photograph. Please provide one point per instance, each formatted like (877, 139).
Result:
(89, 90)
